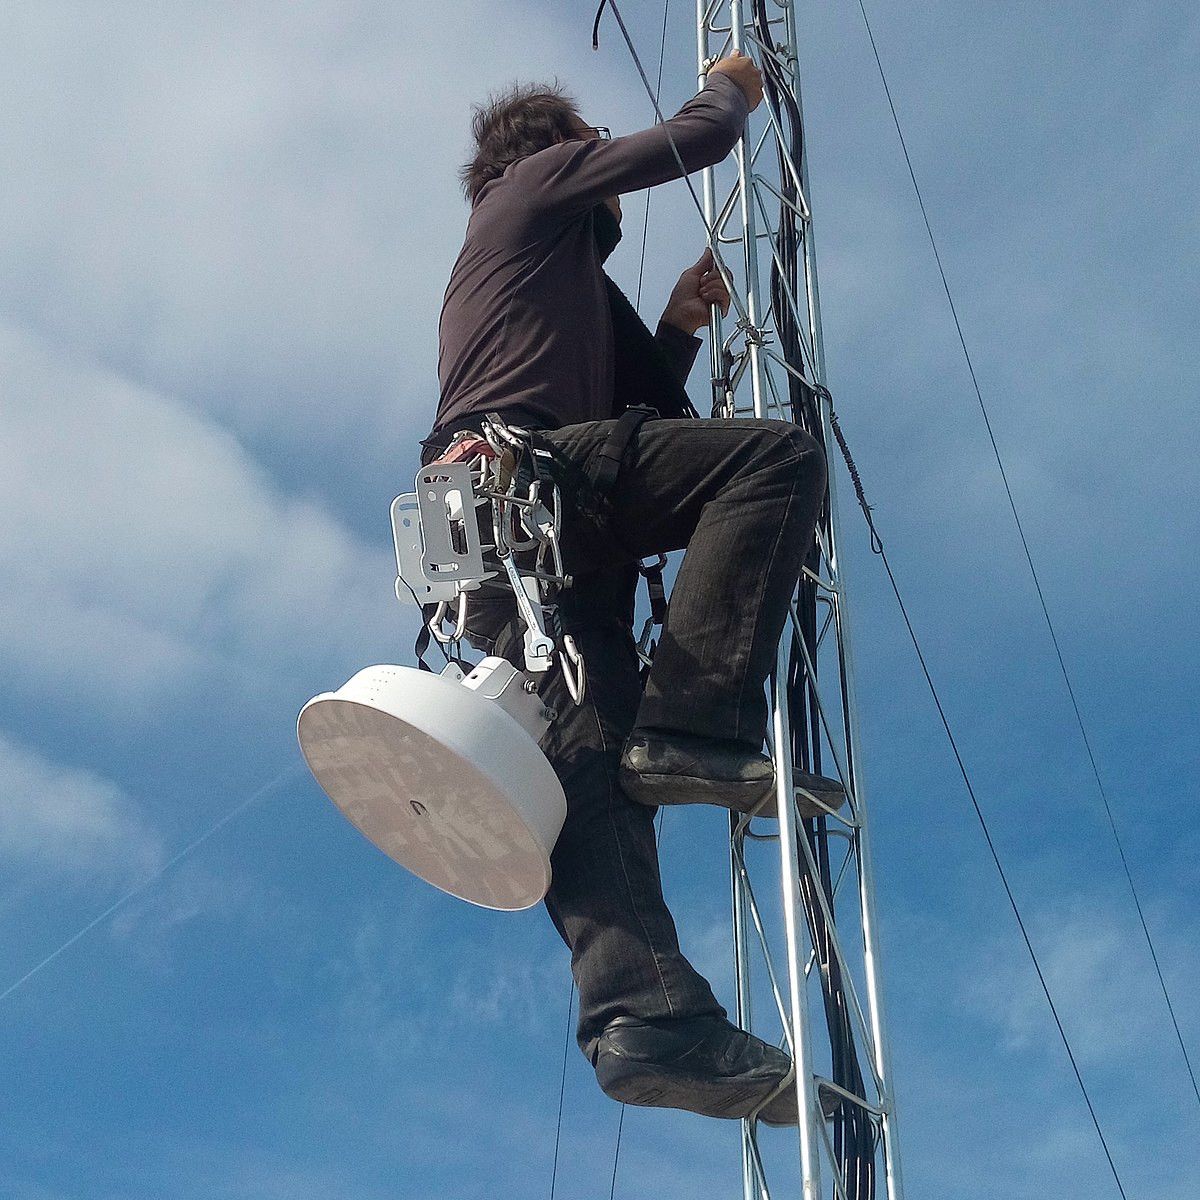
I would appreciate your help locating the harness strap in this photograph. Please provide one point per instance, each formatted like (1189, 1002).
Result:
(612, 453)
(424, 637)
(653, 575)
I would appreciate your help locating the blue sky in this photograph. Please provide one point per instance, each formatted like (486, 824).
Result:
(226, 232)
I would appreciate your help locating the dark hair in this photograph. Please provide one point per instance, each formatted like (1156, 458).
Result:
(525, 118)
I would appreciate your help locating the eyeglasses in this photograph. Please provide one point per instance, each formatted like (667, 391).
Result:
(601, 132)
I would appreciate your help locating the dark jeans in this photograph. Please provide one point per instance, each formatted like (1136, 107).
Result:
(743, 497)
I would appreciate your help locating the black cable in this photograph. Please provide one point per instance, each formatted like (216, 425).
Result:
(1037, 583)
(854, 1136)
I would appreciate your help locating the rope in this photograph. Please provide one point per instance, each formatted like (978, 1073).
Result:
(149, 882)
(1037, 583)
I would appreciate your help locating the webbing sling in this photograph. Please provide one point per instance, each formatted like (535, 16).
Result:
(612, 453)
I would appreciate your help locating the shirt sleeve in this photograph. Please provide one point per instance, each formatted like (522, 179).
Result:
(567, 179)
(679, 347)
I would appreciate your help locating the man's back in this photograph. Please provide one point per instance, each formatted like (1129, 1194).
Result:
(525, 323)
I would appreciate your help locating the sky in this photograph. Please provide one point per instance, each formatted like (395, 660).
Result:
(225, 230)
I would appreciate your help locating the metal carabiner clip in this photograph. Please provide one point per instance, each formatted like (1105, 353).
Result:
(460, 620)
(573, 668)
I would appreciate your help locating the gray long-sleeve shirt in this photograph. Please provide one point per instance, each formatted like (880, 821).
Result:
(525, 323)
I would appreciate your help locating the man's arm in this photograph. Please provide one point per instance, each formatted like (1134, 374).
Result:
(680, 349)
(699, 290)
(568, 179)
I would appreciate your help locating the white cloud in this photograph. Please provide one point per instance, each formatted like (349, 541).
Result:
(255, 206)
(142, 543)
(62, 818)
(1098, 971)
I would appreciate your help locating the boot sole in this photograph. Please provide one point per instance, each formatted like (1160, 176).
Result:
(656, 790)
(632, 1082)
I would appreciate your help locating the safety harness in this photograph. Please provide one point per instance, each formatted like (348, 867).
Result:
(514, 470)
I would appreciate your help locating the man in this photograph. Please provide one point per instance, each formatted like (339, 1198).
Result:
(532, 329)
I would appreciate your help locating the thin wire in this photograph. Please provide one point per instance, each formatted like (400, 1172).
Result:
(878, 547)
(710, 238)
(1037, 583)
(1003, 877)
(612, 1191)
(562, 1090)
(141, 887)
(662, 53)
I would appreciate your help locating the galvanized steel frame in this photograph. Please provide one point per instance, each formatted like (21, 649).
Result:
(750, 379)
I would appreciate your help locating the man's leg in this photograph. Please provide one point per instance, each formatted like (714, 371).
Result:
(743, 497)
(648, 1022)
(606, 895)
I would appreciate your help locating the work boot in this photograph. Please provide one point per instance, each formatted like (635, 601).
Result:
(704, 1065)
(680, 768)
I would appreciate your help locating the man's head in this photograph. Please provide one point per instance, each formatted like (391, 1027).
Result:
(515, 123)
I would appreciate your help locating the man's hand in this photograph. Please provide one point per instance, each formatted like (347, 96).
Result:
(744, 72)
(698, 289)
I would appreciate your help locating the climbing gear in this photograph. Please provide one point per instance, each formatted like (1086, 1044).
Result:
(444, 772)
(589, 493)
(497, 480)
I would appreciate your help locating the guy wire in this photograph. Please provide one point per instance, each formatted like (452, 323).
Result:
(562, 1090)
(195, 844)
(662, 51)
(1037, 583)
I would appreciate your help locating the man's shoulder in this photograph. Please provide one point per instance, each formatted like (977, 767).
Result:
(535, 168)
(528, 181)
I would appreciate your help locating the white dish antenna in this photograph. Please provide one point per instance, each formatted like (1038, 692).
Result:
(444, 774)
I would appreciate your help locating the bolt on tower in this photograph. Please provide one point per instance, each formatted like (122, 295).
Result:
(804, 922)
